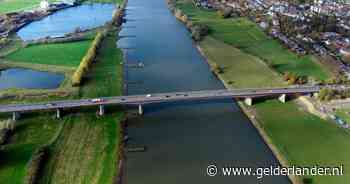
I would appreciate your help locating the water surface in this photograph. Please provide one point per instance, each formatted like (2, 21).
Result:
(182, 139)
(85, 16)
(29, 79)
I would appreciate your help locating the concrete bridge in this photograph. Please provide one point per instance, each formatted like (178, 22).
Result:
(140, 100)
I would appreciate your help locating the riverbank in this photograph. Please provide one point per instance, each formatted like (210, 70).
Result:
(218, 53)
(96, 159)
(294, 136)
(247, 36)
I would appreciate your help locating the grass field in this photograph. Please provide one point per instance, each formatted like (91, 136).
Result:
(306, 140)
(86, 150)
(246, 36)
(29, 135)
(7, 6)
(232, 60)
(63, 54)
(303, 139)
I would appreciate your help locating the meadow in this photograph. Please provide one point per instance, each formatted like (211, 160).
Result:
(248, 37)
(8, 6)
(305, 139)
(87, 148)
(232, 59)
(62, 54)
(300, 137)
(83, 147)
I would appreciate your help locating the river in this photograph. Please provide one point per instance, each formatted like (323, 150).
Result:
(182, 139)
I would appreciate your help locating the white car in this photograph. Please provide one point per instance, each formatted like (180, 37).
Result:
(97, 100)
(148, 95)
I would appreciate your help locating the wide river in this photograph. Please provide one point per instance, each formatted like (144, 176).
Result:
(182, 139)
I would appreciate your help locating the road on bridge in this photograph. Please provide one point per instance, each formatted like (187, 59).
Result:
(161, 98)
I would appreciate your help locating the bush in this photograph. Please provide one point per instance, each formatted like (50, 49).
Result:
(199, 31)
(87, 59)
(34, 165)
(217, 68)
(225, 12)
(292, 78)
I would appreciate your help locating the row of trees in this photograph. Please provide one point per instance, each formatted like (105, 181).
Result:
(88, 59)
(198, 31)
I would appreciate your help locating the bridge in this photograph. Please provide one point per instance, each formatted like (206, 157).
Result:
(140, 100)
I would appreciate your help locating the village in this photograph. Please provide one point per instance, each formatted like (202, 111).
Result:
(321, 27)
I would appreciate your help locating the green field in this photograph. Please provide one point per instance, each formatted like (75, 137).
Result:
(87, 145)
(7, 6)
(303, 139)
(246, 36)
(86, 150)
(306, 140)
(30, 133)
(62, 54)
(232, 60)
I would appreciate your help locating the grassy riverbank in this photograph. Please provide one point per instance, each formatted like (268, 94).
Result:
(246, 36)
(304, 139)
(30, 133)
(300, 138)
(7, 6)
(86, 150)
(237, 64)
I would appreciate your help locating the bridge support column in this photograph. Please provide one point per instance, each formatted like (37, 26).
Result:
(101, 110)
(140, 109)
(15, 116)
(248, 101)
(58, 113)
(282, 98)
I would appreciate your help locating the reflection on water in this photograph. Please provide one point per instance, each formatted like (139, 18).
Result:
(181, 138)
(30, 79)
(66, 21)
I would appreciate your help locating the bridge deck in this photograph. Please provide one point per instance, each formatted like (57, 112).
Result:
(158, 98)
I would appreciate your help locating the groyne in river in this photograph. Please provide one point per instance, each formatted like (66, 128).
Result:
(182, 139)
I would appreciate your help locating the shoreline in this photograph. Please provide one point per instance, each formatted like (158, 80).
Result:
(267, 140)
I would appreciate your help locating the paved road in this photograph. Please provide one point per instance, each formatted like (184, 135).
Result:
(160, 98)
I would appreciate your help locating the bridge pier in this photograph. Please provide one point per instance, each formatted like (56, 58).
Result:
(15, 116)
(101, 110)
(58, 113)
(248, 101)
(140, 109)
(282, 98)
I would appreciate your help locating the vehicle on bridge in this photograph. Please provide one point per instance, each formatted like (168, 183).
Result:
(97, 100)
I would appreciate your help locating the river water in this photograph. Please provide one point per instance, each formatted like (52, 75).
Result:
(85, 16)
(182, 139)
